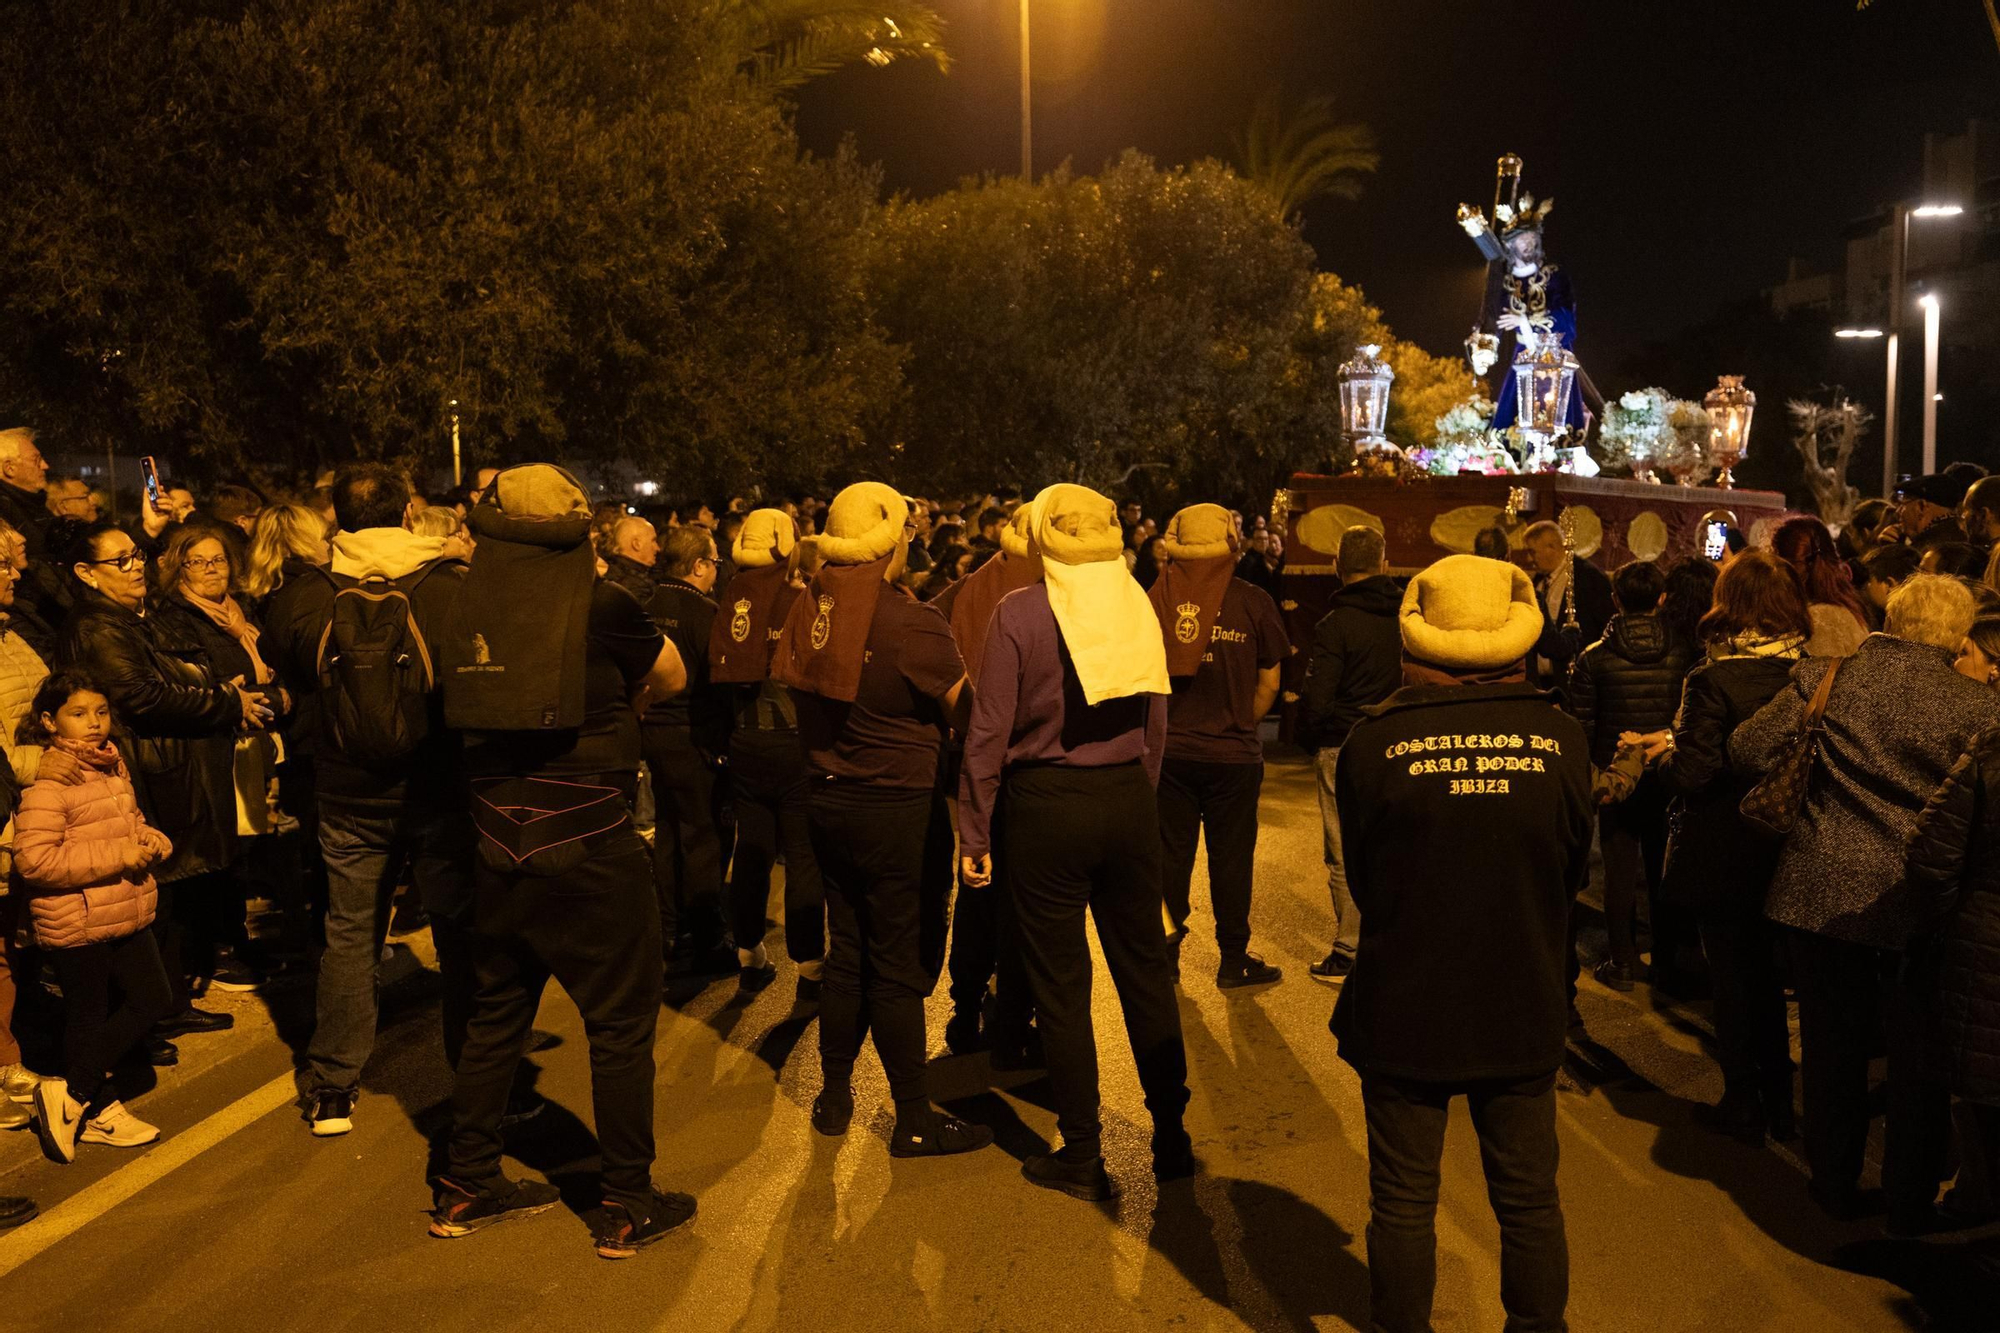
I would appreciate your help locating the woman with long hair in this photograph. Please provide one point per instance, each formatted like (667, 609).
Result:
(1717, 866)
(289, 538)
(1839, 623)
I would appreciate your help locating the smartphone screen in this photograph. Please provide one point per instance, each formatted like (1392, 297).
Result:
(1715, 539)
(151, 473)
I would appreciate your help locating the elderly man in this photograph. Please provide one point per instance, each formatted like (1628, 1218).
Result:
(1553, 571)
(71, 498)
(630, 556)
(1927, 510)
(1979, 513)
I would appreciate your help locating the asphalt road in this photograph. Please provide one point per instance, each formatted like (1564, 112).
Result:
(239, 1220)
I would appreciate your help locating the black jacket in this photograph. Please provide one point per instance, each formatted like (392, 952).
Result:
(686, 615)
(1630, 680)
(1356, 660)
(42, 588)
(295, 617)
(1954, 868)
(633, 577)
(1465, 818)
(169, 706)
(1594, 608)
(1713, 856)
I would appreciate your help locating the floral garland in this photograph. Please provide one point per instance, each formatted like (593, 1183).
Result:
(1648, 431)
(1466, 442)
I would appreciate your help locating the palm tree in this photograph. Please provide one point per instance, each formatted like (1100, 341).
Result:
(777, 46)
(1301, 153)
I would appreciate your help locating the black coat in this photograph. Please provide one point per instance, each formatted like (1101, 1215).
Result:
(1594, 608)
(1713, 856)
(168, 703)
(43, 589)
(1465, 818)
(1356, 660)
(1629, 680)
(1954, 868)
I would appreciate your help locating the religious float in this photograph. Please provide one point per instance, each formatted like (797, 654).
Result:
(1537, 451)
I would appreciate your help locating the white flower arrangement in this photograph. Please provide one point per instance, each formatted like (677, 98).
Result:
(1635, 431)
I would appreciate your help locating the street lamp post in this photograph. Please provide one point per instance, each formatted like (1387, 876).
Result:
(1931, 316)
(1899, 250)
(1027, 106)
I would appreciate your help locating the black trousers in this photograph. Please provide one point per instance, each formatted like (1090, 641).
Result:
(1752, 1042)
(1844, 989)
(880, 854)
(1632, 835)
(1223, 799)
(771, 795)
(687, 848)
(595, 929)
(96, 1032)
(1088, 838)
(986, 949)
(1516, 1123)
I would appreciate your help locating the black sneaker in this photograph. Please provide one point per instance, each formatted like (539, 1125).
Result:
(713, 960)
(753, 979)
(961, 1033)
(1085, 1180)
(15, 1212)
(1613, 974)
(1245, 969)
(238, 976)
(330, 1113)
(190, 1021)
(1332, 969)
(831, 1115)
(938, 1135)
(616, 1234)
(161, 1053)
(460, 1211)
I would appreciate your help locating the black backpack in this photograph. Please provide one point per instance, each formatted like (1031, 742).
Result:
(375, 673)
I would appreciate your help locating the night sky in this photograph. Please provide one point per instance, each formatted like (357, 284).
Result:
(1691, 146)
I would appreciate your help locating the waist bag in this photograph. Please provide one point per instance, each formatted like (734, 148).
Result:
(533, 826)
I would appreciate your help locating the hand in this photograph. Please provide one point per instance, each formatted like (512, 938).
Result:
(151, 517)
(1658, 745)
(1512, 322)
(256, 713)
(975, 872)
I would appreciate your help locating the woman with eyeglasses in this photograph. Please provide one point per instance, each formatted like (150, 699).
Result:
(170, 699)
(198, 579)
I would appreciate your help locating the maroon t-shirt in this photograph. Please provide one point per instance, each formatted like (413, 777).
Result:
(1209, 719)
(891, 734)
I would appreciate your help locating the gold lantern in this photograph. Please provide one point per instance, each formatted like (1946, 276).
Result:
(1730, 407)
(1543, 386)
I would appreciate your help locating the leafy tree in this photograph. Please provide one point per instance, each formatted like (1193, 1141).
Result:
(280, 233)
(1301, 153)
(1138, 327)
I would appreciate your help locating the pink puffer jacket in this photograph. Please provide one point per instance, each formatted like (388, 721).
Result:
(78, 837)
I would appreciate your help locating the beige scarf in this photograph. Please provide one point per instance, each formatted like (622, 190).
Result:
(1106, 620)
(229, 618)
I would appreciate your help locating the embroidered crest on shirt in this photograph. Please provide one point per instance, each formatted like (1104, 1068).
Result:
(1189, 624)
(823, 623)
(739, 625)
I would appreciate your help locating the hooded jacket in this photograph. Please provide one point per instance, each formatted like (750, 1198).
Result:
(1630, 680)
(1356, 661)
(76, 838)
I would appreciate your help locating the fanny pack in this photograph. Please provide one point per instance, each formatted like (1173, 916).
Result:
(532, 826)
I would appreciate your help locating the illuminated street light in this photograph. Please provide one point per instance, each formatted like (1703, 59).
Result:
(1932, 397)
(1899, 247)
(1857, 333)
(1936, 211)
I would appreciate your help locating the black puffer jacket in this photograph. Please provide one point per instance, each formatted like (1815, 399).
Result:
(1356, 660)
(1713, 857)
(1630, 680)
(1954, 866)
(167, 702)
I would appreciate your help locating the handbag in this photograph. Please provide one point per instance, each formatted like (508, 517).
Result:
(1773, 805)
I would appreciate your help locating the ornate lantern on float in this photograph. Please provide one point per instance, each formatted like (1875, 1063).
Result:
(1730, 407)
(1364, 401)
(1543, 386)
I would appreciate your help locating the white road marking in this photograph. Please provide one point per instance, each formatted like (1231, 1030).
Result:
(81, 1209)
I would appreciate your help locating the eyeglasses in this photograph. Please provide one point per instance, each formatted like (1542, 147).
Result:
(126, 563)
(202, 562)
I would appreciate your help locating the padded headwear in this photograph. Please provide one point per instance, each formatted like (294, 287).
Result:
(1201, 532)
(1014, 537)
(1468, 612)
(1074, 525)
(540, 491)
(863, 524)
(766, 537)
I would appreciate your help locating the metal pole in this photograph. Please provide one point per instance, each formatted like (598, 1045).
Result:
(1899, 241)
(1931, 319)
(1027, 106)
(457, 467)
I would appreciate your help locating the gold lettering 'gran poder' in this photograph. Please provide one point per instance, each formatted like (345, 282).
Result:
(1468, 760)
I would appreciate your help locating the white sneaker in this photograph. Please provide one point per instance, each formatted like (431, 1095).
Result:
(120, 1128)
(58, 1117)
(17, 1083)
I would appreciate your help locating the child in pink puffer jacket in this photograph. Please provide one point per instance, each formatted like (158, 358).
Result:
(82, 859)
